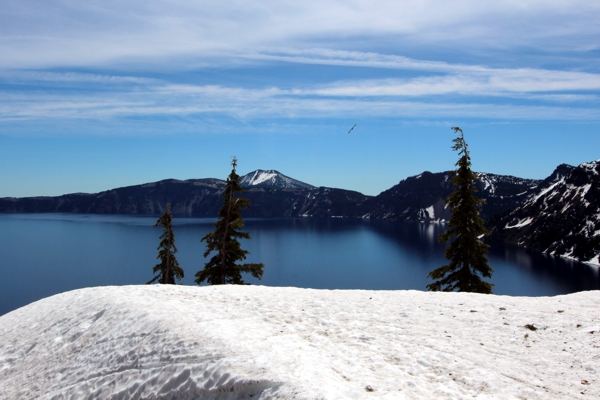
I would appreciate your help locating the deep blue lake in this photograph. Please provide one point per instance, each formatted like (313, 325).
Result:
(45, 254)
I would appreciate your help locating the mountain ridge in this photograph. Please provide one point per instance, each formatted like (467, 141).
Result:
(561, 218)
(421, 197)
(272, 194)
(559, 215)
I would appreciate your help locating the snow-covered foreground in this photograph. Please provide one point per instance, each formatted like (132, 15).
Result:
(230, 342)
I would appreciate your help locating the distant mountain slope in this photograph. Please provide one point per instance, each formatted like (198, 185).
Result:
(194, 196)
(272, 179)
(272, 194)
(201, 198)
(559, 215)
(421, 197)
(561, 218)
(315, 202)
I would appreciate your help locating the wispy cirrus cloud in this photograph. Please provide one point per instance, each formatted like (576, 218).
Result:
(467, 90)
(496, 83)
(45, 77)
(448, 78)
(110, 59)
(212, 100)
(344, 58)
(69, 33)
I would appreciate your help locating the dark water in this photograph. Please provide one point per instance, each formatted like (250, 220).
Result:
(45, 254)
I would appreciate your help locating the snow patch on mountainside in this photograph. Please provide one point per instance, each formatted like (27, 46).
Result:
(520, 224)
(488, 182)
(260, 177)
(430, 212)
(272, 179)
(551, 190)
(595, 262)
(241, 342)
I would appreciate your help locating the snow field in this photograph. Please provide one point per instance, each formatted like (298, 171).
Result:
(232, 342)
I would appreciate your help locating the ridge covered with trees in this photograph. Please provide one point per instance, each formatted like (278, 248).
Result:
(417, 198)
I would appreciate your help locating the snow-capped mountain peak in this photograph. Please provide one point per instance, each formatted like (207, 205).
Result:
(272, 179)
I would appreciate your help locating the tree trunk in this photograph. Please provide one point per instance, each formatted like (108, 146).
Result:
(224, 245)
(168, 271)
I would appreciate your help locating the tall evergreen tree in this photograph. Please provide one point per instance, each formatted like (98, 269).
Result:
(168, 269)
(222, 267)
(466, 251)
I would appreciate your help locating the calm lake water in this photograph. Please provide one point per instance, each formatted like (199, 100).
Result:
(45, 254)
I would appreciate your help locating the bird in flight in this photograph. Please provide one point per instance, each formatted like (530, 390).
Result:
(351, 128)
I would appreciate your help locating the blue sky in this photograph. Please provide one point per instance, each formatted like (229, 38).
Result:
(102, 94)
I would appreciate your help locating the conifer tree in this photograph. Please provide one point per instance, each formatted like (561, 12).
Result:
(466, 251)
(222, 267)
(168, 269)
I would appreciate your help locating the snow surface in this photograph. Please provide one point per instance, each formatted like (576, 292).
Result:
(235, 342)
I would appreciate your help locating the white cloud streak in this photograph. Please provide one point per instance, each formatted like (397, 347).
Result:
(496, 83)
(453, 87)
(66, 78)
(212, 100)
(58, 33)
(39, 39)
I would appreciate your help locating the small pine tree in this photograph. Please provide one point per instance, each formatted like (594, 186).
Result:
(168, 269)
(222, 267)
(466, 252)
